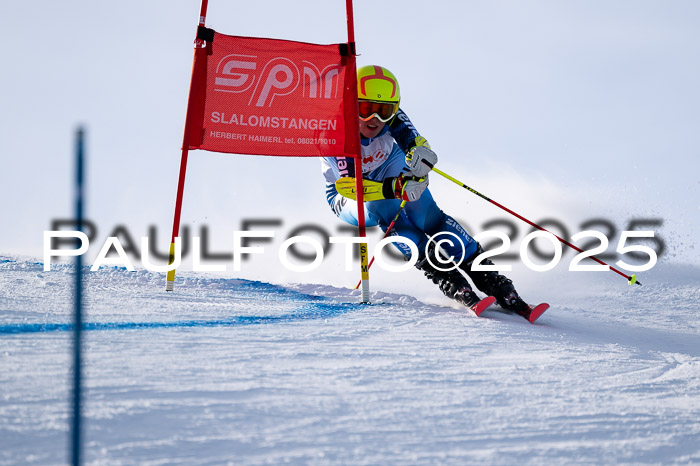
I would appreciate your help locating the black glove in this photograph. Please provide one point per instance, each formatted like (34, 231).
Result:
(406, 187)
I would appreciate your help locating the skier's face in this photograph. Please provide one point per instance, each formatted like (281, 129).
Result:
(371, 128)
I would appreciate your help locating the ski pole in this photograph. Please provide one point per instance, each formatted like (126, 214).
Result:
(630, 279)
(386, 233)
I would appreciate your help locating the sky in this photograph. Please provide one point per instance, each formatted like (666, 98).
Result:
(563, 110)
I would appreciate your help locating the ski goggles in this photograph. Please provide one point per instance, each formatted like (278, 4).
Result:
(384, 111)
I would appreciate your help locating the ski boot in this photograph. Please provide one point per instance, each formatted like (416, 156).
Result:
(494, 284)
(451, 282)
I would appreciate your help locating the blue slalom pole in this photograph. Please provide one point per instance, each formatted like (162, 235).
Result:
(78, 317)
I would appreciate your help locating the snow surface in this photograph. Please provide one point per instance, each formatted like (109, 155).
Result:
(563, 110)
(246, 372)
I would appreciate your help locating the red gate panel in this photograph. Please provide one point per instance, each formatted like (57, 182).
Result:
(270, 97)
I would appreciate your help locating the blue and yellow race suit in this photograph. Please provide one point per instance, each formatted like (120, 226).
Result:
(384, 156)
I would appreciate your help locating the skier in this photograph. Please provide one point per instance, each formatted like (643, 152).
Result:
(394, 153)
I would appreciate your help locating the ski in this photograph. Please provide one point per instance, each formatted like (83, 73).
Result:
(536, 312)
(532, 313)
(482, 305)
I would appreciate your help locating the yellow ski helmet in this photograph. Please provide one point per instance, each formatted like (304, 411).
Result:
(378, 84)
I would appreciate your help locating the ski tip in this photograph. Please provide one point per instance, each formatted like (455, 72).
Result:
(537, 311)
(484, 304)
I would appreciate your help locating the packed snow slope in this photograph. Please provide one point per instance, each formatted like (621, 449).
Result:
(229, 370)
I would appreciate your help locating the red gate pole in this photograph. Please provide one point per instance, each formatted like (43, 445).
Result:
(199, 46)
(355, 126)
